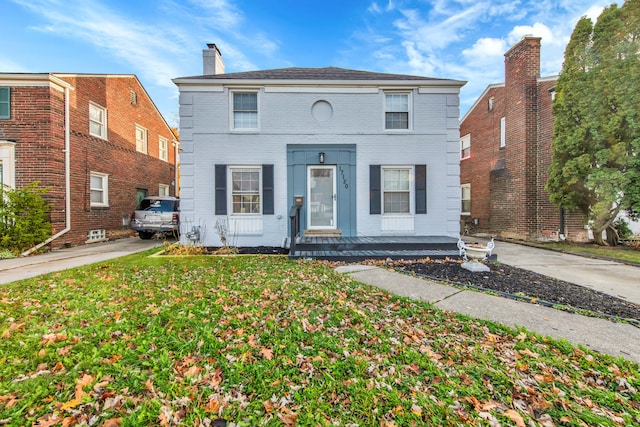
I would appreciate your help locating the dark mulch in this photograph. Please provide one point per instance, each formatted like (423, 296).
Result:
(519, 282)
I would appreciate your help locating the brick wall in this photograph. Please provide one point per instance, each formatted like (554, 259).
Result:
(37, 125)
(507, 184)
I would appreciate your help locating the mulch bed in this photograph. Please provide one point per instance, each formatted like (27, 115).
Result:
(519, 282)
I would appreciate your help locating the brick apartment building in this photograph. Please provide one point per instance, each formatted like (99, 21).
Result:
(97, 141)
(506, 153)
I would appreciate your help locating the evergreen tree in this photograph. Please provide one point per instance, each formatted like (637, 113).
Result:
(595, 166)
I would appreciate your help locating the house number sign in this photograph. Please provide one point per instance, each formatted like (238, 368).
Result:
(344, 180)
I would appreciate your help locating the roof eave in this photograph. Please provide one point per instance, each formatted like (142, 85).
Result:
(190, 81)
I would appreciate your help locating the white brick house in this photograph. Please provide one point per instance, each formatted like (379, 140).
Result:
(371, 154)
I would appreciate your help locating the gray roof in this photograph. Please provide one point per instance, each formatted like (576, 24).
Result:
(326, 73)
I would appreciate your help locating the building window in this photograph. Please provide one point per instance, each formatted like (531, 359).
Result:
(245, 110)
(503, 131)
(97, 121)
(7, 163)
(163, 149)
(490, 104)
(99, 189)
(465, 147)
(163, 190)
(245, 190)
(396, 190)
(141, 139)
(5, 103)
(396, 111)
(466, 199)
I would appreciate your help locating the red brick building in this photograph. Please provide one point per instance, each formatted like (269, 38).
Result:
(506, 153)
(97, 141)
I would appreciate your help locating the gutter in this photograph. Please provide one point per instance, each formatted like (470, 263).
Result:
(67, 178)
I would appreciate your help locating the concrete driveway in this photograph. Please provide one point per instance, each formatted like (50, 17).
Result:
(61, 259)
(613, 278)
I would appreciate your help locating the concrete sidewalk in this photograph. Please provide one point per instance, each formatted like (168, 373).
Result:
(62, 259)
(601, 335)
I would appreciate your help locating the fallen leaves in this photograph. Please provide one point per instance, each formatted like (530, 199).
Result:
(264, 341)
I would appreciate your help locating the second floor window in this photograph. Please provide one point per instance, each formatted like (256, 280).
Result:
(465, 147)
(5, 103)
(141, 139)
(245, 110)
(503, 132)
(396, 111)
(163, 149)
(97, 121)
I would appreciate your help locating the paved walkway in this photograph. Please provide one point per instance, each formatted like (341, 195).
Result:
(601, 335)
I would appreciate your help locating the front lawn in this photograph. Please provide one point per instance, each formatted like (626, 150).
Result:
(261, 340)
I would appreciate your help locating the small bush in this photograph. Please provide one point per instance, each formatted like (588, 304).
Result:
(24, 217)
(623, 229)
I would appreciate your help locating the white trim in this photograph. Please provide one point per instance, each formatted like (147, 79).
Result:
(283, 89)
(462, 188)
(104, 122)
(8, 160)
(412, 188)
(251, 168)
(503, 132)
(163, 190)
(409, 95)
(232, 127)
(465, 139)
(163, 141)
(312, 208)
(144, 141)
(104, 189)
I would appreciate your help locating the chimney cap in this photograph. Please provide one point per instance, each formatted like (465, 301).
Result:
(213, 46)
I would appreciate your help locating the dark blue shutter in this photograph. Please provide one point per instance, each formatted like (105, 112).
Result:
(267, 189)
(5, 103)
(221, 190)
(375, 195)
(421, 189)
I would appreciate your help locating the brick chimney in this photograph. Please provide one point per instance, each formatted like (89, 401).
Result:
(522, 69)
(212, 60)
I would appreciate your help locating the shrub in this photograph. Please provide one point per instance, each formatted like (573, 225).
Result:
(623, 229)
(24, 217)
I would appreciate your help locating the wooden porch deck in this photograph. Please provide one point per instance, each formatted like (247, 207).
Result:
(352, 249)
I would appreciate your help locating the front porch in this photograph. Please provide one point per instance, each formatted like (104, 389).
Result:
(353, 249)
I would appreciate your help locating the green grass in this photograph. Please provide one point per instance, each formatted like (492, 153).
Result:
(259, 340)
(620, 253)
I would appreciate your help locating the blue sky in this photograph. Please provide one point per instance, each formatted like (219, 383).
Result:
(162, 39)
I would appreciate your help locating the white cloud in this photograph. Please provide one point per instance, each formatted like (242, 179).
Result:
(485, 49)
(537, 30)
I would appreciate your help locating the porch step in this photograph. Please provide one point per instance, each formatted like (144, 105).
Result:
(351, 249)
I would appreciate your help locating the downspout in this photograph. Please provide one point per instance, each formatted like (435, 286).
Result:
(67, 178)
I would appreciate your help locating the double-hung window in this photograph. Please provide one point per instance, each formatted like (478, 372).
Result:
(141, 139)
(163, 149)
(163, 190)
(396, 111)
(396, 190)
(245, 190)
(245, 110)
(465, 147)
(5, 103)
(97, 121)
(466, 199)
(99, 189)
